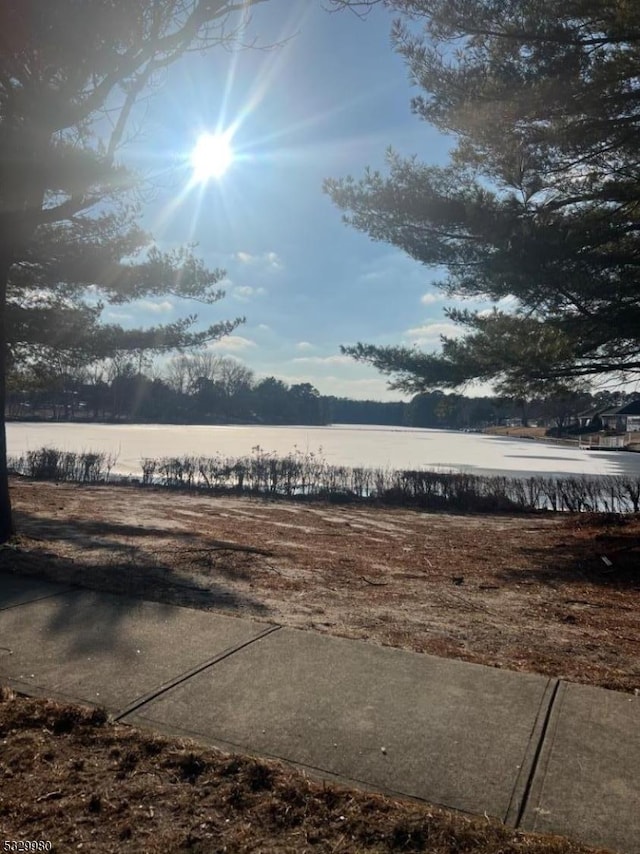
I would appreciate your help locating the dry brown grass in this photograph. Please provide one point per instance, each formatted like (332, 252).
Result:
(518, 432)
(529, 593)
(522, 592)
(70, 777)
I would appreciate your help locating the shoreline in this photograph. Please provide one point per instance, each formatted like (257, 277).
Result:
(305, 477)
(531, 434)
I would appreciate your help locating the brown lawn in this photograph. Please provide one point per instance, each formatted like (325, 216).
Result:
(529, 592)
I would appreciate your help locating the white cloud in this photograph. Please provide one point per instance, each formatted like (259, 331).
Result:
(274, 261)
(369, 389)
(357, 389)
(431, 330)
(478, 389)
(264, 327)
(118, 315)
(42, 296)
(430, 298)
(373, 276)
(232, 343)
(324, 360)
(304, 345)
(268, 260)
(155, 307)
(428, 335)
(245, 292)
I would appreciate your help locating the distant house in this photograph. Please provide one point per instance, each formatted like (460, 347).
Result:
(591, 418)
(622, 419)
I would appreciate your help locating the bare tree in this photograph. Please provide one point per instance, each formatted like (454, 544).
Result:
(185, 370)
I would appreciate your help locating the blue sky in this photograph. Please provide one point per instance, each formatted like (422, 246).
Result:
(326, 103)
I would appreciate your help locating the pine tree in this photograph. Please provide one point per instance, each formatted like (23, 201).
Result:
(67, 230)
(540, 200)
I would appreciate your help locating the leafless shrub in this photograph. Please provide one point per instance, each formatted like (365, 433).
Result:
(308, 475)
(61, 466)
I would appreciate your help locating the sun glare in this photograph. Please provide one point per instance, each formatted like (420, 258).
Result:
(212, 156)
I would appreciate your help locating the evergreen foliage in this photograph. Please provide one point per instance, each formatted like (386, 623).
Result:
(68, 233)
(540, 200)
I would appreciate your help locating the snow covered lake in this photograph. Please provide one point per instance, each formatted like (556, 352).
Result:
(350, 445)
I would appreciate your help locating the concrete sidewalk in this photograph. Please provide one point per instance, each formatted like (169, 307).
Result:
(537, 753)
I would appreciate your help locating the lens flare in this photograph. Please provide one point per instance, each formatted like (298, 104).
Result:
(212, 156)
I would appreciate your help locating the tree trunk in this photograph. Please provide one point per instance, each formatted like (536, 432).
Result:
(6, 519)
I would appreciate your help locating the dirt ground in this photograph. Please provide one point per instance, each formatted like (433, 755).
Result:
(552, 594)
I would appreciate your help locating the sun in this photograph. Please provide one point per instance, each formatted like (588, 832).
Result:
(212, 156)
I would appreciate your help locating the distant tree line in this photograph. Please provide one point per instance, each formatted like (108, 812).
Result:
(200, 388)
(204, 388)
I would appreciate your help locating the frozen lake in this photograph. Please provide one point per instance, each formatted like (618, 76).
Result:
(350, 445)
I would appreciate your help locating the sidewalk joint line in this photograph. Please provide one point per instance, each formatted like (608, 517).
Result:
(39, 599)
(183, 677)
(524, 803)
